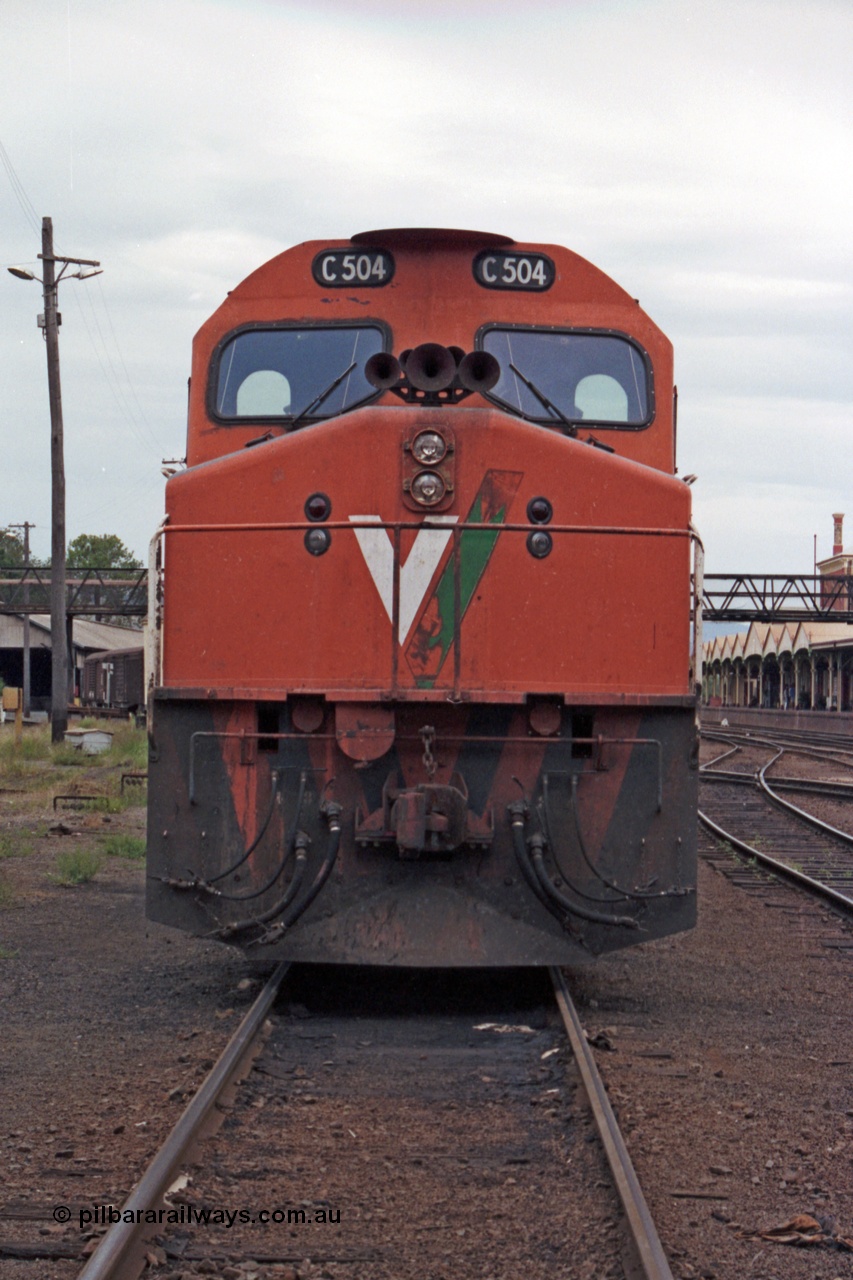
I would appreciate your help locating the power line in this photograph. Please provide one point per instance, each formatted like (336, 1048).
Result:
(139, 424)
(18, 188)
(108, 369)
(130, 385)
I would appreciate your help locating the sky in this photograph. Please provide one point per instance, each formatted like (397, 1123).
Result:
(701, 155)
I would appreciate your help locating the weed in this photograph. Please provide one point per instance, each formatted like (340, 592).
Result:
(66, 755)
(77, 866)
(7, 895)
(109, 804)
(7, 953)
(130, 746)
(34, 745)
(14, 844)
(125, 846)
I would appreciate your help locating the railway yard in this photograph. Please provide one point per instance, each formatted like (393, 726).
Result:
(434, 1124)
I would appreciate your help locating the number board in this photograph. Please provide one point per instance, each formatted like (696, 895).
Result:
(498, 270)
(340, 269)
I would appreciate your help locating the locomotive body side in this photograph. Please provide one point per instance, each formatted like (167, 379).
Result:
(424, 692)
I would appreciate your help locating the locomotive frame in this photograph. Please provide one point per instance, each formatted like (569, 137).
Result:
(421, 678)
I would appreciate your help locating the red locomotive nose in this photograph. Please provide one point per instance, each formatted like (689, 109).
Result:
(424, 690)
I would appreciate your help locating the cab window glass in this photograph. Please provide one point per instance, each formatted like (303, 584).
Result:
(598, 378)
(291, 372)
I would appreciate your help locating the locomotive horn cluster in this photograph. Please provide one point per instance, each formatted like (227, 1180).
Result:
(431, 367)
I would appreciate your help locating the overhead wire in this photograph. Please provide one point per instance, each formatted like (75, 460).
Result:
(17, 186)
(137, 421)
(105, 361)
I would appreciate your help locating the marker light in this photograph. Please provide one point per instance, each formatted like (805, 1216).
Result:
(539, 511)
(318, 507)
(539, 544)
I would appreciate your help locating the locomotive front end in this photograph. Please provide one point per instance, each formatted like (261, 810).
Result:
(423, 695)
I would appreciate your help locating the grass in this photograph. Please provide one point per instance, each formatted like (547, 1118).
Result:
(130, 745)
(42, 770)
(7, 953)
(125, 846)
(15, 845)
(34, 745)
(111, 804)
(69, 757)
(77, 866)
(38, 765)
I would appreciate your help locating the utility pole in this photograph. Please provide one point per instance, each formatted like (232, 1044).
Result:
(49, 324)
(26, 526)
(58, 656)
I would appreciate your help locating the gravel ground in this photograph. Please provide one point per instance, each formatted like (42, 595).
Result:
(448, 1142)
(728, 1053)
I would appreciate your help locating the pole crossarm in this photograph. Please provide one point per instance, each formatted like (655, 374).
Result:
(776, 597)
(77, 262)
(88, 592)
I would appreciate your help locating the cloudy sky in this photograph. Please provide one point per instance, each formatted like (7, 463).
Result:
(700, 154)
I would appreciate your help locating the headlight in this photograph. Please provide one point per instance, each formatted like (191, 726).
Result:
(429, 448)
(428, 488)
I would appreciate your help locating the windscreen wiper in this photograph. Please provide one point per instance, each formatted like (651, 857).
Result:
(570, 427)
(318, 400)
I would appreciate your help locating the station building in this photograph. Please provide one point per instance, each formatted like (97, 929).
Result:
(804, 666)
(87, 637)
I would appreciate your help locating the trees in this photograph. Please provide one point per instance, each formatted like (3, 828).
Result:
(100, 551)
(11, 550)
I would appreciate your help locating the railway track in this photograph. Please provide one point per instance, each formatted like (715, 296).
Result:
(470, 1122)
(748, 810)
(830, 748)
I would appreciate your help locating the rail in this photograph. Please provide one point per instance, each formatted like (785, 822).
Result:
(115, 1246)
(781, 869)
(645, 1241)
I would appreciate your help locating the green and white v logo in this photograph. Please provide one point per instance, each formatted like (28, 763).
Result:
(415, 575)
(434, 630)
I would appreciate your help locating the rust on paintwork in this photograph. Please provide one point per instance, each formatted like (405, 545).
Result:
(440, 625)
(364, 731)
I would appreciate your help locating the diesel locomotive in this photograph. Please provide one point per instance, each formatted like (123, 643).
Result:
(421, 687)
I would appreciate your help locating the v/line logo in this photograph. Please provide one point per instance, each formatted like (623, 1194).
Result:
(415, 575)
(427, 620)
